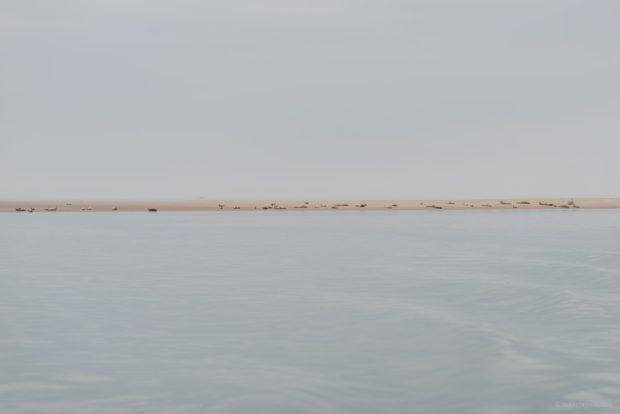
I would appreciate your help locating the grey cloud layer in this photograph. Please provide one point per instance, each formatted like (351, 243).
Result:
(345, 99)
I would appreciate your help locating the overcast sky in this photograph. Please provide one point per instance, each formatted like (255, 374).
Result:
(355, 99)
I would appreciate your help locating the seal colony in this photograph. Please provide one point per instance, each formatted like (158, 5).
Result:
(274, 205)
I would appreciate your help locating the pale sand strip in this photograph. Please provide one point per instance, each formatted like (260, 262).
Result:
(273, 205)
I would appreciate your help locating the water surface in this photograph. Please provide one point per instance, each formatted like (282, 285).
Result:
(310, 312)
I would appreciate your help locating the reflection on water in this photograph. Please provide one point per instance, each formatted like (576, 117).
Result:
(319, 312)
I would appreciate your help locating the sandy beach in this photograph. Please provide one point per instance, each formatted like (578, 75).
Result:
(280, 205)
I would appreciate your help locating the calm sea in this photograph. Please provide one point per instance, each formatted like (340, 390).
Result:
(311, 312)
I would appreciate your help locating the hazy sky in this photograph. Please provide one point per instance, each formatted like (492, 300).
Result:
(311, 99)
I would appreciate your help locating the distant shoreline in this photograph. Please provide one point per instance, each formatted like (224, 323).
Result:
(281, 205)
